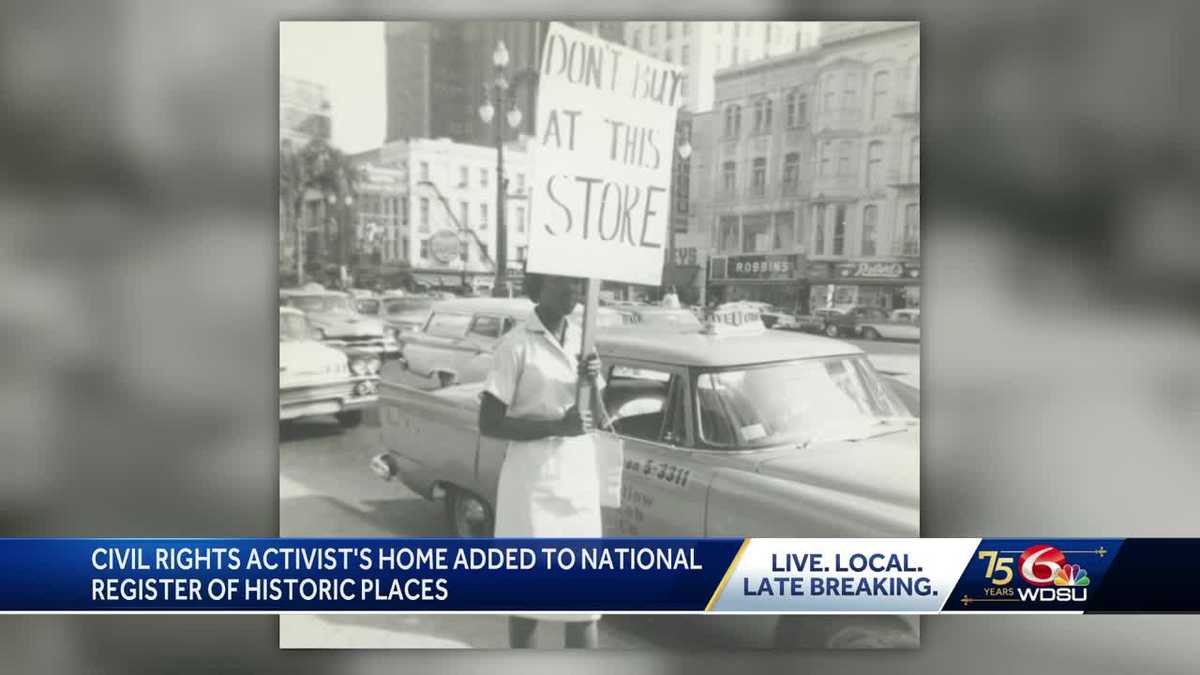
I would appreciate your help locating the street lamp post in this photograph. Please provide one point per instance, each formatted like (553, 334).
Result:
(500, 90)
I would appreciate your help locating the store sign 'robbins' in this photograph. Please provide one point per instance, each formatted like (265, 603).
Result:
(602, 158)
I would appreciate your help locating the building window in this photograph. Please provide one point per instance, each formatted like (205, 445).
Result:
(874, 165)
(464, 251)
(727, 234)
(464, 209)
(423, 223)
(839, 230)
(520, 219)
(653, 39)
(830, 92)
(733, 120)
(728, 178)
(914, 160)
(784, 231)
(762, 115)
(670, 30)
(759, 177)
(850, 91)
(870, 227)
(819, 230)
(424, 170)
(797, 109)
(879, 94)
(826, 157)
(683, 87)
(404, 211)
(636, 41)
(683, 55)
(424, 249)
(522, 253)
(912, 229)
(687, 28)
(843, 164)
(483, 178)
(483, 216)
(463, 176)
(756, 233)
(791, 173)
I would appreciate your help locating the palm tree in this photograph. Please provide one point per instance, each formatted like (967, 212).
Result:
(325, 169)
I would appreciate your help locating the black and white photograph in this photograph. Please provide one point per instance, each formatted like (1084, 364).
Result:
(733, 326)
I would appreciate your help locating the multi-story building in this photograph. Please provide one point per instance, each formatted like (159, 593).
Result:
(810, 180)
(304, 111)
(421, 188)
(436, 72)
(702, 48)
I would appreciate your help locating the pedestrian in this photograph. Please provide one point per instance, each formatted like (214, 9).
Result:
(548, 482)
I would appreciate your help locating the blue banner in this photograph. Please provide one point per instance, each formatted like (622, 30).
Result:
(627, 575)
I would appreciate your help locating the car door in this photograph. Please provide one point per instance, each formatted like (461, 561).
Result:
(437, 342)
(663, 490)
(472, 357)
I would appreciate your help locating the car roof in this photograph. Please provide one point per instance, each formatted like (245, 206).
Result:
(512, 306)
(294, 292)
(692, 347)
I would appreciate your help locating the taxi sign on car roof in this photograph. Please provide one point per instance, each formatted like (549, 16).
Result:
(737, 319)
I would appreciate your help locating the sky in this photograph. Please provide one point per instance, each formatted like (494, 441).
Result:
(348, 58)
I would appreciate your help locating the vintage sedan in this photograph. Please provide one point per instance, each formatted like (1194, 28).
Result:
(738, 432)
(456, 343)
(336, 321)
(901, 324)
(315, 379)
(400, 314)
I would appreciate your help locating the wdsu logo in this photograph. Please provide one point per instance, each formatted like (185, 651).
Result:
(1048, 575)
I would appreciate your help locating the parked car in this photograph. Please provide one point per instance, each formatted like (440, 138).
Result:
(753, 433)
(780, 317)
(400, 314)
(336, 321)
(315, 379)
(456, 343)
(839, 321)
(902, 324)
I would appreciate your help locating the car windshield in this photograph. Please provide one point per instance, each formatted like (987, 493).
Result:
(292, 327)
(323, 303)
(838, 398)
(406, 305)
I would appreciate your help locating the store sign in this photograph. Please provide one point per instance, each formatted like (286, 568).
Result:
(770, 267)
(604, 152)
(878, 270)
(444, 246)
(685, 255)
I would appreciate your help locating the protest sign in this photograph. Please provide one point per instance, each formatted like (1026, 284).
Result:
(603, 154)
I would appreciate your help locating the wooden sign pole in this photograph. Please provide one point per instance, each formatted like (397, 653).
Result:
(591, 306)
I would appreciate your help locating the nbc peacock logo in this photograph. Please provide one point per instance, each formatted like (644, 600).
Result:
(1071, 575)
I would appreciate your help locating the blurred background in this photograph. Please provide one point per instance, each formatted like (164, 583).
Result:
(1062, 329)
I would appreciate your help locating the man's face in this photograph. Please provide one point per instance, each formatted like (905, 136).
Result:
(560, 294)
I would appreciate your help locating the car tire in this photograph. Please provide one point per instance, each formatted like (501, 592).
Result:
(468, 514)
(350, 418)
(832, 331)
(869, 333)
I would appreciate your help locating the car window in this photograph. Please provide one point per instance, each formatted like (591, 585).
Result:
(487, 326)
(635, 399)
(448, 325)
(367, 306)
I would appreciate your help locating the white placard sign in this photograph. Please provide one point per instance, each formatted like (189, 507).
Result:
(605, 143)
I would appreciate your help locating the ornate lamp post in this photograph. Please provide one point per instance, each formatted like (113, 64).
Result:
(501, 91)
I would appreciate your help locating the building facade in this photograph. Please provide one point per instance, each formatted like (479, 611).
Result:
(304, 111)
(418, 193)
(436, 72)
(702, 48)
(809, 182)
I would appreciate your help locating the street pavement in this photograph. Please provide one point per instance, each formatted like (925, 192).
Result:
(327, 490)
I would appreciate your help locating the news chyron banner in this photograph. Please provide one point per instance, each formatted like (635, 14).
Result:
(670, 576)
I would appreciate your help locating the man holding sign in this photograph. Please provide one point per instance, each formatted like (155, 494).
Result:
(606, 125)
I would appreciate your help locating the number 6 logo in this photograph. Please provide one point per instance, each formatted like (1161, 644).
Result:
(1039, 564)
